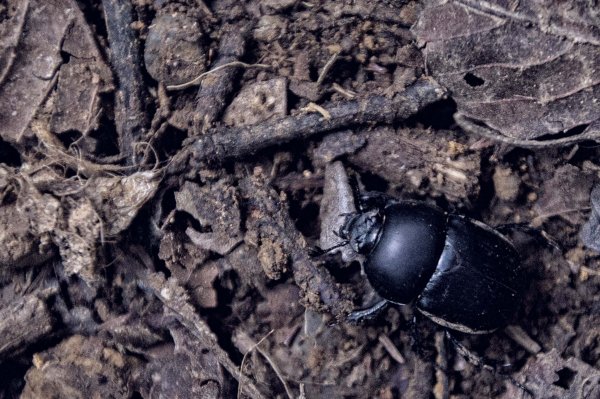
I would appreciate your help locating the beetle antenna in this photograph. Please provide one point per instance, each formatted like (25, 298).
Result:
(318, 251)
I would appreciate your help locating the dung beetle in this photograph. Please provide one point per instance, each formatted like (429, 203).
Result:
(461, 273)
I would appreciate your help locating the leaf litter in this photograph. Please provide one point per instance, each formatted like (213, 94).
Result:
(152, 237)
(526, 69)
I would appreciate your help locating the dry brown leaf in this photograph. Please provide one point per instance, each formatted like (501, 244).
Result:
(41, 30)
(526, 69)
(549, 376)
(118, 199)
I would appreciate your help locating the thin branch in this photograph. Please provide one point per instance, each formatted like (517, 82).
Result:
(130, 118)
(175, 298)
(224, 143)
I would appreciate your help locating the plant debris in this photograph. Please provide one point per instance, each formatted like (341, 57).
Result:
(526, 71)
(169, 170)
(549, 376)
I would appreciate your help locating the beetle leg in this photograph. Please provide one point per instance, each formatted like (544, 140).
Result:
(417, 343)
(480, 362)
(318, 251)
(370, 313)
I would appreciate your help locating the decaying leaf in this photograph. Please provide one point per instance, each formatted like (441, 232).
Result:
(79, 367)
(118, 199)
(251, 182)
(414, 160)
(215, 207)
(26, 226)
(28, 72)
(566, 193)
(79, 240)
(180, 255)
(41, 30)
(80, 80)
(24, 321)
(548, 376)
(19, 246)
(107, 208)
(526, 69)
(187, 262)
(186, 370)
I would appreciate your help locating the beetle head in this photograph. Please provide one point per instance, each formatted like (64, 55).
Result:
(362, 230)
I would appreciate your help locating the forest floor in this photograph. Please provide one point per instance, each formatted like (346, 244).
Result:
(167, 168)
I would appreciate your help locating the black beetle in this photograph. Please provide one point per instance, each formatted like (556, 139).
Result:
(461, 273)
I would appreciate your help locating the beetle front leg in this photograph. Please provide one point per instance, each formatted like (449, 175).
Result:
(370, 313)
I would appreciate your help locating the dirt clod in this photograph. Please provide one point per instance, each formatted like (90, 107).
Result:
(174, 52)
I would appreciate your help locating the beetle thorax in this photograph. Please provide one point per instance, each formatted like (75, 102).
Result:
(362, 230)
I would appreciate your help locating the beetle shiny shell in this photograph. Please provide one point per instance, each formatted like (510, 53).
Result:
(461, 273)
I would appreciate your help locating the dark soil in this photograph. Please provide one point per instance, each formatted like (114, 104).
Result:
(167, 169)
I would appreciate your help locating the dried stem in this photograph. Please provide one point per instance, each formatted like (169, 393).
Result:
(224, 143)
(130, 118)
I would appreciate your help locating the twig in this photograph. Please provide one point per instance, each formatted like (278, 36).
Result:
(223, 143)
(349, 94)
(277, 371)
(391, 348)
(271, 220)
(130, 118)
(327, 67)
(274, 366)
(471, 127)
(176, 299)
(302, 391)
(159, 122)
(196, 81)
(348, 357)
(312, 107)
(441, 388)
(519, 335)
